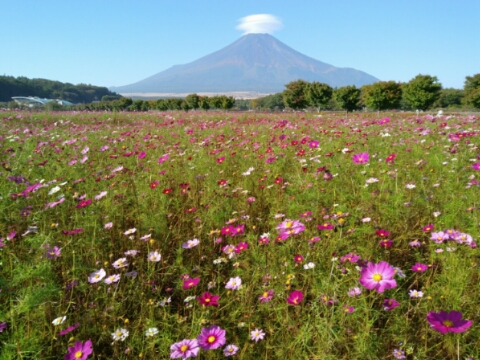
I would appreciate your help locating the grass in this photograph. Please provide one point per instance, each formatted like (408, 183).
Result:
(200, 188)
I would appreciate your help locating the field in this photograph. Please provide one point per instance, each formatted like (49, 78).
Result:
(256, 236)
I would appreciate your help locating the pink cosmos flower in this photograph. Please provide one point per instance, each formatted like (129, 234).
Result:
(266, 296)
(390, 304)
(445, 322)
(142, 155)
(295, 297)
(184, 349)
(208, 299)
(189, 283)
(79, 351)
(234, 283)
(476, 166)
(163, 158)
(361, 158)
(419, 267)
(378, 277)
(212, 338)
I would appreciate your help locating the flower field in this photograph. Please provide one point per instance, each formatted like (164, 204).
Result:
(243, 235)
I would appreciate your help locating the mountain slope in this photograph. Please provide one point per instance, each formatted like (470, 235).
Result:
(254, 62)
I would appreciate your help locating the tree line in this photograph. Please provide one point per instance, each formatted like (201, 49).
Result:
(423, 92)
(21, 86)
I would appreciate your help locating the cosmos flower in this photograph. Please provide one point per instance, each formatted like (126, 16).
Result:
(112, 279)
(378, 277)
(184, 349)
(234, 283)
(230, 350)
(96, 276)
(415, 294)
(53, 253)
(151, 332)
(390, 304)
(399, 354)
(120, 263)
(295, 297)
(120, 334)
(208, 299)
(361, 158)
(257, 335)
(190, 243)
(444, 322)
(189, 283)
(154, 256)
(266, 296)
(419, 267)
(80, 351)
(212, 338)
(59, 320)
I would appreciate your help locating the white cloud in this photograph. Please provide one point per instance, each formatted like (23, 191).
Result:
(259, 23)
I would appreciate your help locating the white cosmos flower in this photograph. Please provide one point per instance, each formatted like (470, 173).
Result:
(59, 320)
(120, 334)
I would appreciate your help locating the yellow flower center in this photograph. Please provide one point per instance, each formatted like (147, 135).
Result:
(207, 300)
(288, 224)
(78, 355)
(377, 277)
(184, 348)
(211, 339)
(265, 294)
(448, 323)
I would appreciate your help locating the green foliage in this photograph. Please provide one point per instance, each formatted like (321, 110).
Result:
(295, 94)
(319, 94)
(347, 97)
(270, 102)
(22, 86)
(204, 103)
(382, 95)
(450, 98)
(422, 91)
(193, 101)
(472, 91)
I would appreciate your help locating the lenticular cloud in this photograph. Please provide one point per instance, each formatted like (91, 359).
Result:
(259, 24)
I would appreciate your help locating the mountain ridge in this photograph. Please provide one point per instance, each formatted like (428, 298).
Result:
(254, 62)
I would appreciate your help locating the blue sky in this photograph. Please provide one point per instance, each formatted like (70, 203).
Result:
(114, 43)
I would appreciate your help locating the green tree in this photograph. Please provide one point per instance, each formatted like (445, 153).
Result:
(347, 97)
(215, 102)
(422, 91)
(294, 96)
(227, 102)
(184, 105)
(472, 91)
(137, 105)
(125, 103)
(204, 103)
(318, 94)
(450, 98)
(192, 101)
(382, 95)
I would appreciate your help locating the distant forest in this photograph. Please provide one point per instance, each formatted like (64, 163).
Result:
(77, 94)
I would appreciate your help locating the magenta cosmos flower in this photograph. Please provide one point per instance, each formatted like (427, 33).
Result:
(184, 349)
(378, 277)
(361, 158)
(208, 299)
(79, 351)
(295, 297)
(211, 338)
(444, 322)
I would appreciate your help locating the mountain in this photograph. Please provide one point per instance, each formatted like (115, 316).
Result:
(255, 62)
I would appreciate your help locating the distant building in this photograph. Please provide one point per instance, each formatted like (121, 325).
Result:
(32, 101)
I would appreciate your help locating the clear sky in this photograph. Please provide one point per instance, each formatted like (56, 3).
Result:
(119, 42)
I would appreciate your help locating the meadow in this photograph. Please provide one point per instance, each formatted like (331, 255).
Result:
(250, 235)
